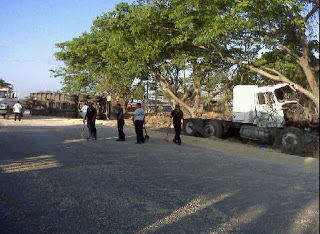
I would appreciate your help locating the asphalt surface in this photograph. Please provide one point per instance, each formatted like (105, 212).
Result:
(51, 181)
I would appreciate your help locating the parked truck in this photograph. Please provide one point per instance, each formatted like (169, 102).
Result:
(7, 100)
(267, 114)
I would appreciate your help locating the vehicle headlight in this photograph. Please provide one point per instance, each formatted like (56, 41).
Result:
(2, 106)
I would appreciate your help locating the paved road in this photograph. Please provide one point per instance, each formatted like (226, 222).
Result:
(53, 182)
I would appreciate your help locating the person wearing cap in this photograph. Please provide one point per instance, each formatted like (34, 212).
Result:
(120, 122)
(177, 116)
(138, 120)
(91, 121)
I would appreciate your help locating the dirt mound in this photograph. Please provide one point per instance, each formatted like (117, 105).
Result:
(157, 121)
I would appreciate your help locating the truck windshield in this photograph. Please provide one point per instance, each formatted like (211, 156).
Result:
(3, 94)
(285, 94)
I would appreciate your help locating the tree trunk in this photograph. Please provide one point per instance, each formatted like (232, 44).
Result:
(311, 80)
(162, 80)
(303, 62)
(197, 98)
(125, 105)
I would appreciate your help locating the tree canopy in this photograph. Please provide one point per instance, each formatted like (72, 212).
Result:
(196, 49)
(3, 83)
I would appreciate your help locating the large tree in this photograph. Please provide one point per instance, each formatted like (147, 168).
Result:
(92, 65)
(240, 32)
(146, 39)
(193, 49)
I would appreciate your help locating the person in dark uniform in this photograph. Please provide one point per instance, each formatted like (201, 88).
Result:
(120, 122)
(138, 120)
(91, 121)
(177, 116)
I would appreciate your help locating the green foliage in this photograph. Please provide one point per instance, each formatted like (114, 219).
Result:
(3, 83)
(188, 47)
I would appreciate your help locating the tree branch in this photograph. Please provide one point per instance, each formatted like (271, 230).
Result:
(162, 80)
(278, 77)
(314, 9)
(275, 30)
(215, 93)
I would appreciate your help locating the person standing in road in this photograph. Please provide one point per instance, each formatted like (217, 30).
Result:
(91, 121)
(138, 120)
(84, 110)
(177, 116)
(120, 122)
(17, 110)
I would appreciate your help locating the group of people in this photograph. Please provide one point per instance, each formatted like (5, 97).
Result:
(90, 114)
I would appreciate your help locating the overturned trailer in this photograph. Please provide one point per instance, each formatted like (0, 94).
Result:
(65, 105)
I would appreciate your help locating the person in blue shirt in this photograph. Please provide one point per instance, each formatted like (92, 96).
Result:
(120, 122)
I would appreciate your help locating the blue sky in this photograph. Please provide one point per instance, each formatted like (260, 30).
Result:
(29, 30)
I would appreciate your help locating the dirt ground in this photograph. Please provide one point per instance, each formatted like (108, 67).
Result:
(52, 181)
(159, 126)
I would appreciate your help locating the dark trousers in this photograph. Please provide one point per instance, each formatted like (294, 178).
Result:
(177, 129)
(120, 129)
(17, 115)
(138, 124)
(91, 124)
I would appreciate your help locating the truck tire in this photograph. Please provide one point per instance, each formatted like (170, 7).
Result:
(192, 127)
(291, 139)
(214, 128)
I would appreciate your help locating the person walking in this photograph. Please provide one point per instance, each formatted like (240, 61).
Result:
(120, 122)
(177, 116)
(84, 109)
(17, 110)
(91, 121)
(138, 120)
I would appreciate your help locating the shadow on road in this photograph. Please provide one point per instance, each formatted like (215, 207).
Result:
(53, 181)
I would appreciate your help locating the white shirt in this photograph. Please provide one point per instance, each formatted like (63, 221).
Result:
(139, 114)
(17, 108)
(84, 109)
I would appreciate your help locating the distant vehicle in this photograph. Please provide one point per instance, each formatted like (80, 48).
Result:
(131, 107)
(65, 105)
(269, 114)
(151, 107)
(7, 100)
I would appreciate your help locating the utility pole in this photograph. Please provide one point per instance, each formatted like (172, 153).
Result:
(147, 106)
(156, 98)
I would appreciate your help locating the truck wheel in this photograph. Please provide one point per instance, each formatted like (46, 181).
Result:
(291, 140)
(192, 127)
(214, 128)
(188, 128)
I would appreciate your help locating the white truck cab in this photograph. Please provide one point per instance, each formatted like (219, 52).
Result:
(263, 106)
(7, 99)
